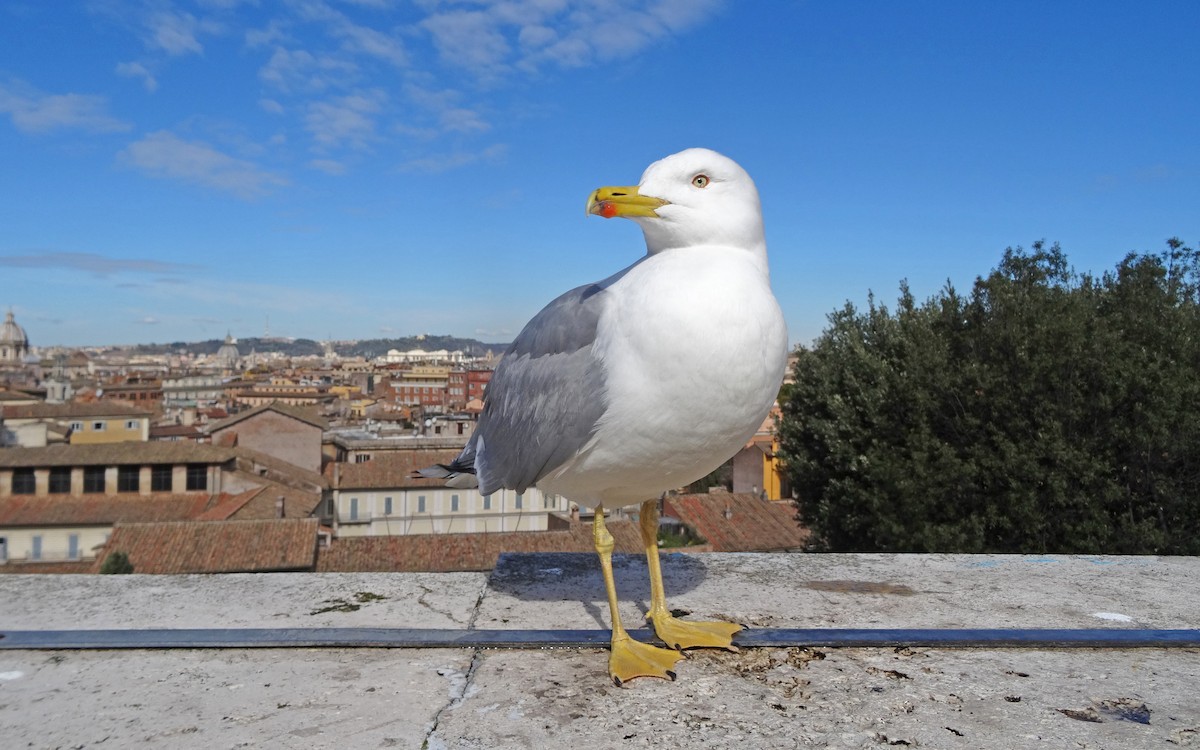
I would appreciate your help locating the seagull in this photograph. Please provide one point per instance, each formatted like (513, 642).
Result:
(620, 390)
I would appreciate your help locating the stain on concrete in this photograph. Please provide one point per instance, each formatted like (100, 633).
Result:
(860, 587)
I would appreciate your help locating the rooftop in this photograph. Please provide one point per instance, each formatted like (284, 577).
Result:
(500, 698)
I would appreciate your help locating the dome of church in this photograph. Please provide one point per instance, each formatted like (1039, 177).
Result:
(14, 344)
(228, 355)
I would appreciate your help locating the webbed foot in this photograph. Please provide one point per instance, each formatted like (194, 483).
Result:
(631, 658)
(681, 634)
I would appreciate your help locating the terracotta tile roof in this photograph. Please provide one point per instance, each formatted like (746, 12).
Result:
(17, 397)
(300, 413)
(227, 505)
(389, 469)
(254, 461)
(73, 410)
(189, 431)
(112, 454)
(263, 504)
(753, 525)
(444, 553)
(98, 510)
(224, 547)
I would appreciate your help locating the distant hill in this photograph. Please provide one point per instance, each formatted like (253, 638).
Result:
(307, 347)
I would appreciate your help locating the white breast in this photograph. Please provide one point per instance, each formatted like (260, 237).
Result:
(694, 348)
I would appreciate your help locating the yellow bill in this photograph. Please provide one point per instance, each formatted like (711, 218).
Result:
(622, 201)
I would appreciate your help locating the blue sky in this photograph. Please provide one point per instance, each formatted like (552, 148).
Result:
(174, 169)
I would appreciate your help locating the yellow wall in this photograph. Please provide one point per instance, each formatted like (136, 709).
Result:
(772, 471)
(55, 542)
(114, 431)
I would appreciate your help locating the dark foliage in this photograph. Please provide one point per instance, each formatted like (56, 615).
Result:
(117, 563)
(1048, 411)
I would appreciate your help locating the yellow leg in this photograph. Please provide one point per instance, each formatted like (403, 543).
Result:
(628, 658)
(672, 631)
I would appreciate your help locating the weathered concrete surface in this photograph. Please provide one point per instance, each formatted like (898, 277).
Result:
(854, 591)
(301, 600)
(770, 698)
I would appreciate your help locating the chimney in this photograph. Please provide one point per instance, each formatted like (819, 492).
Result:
(279, 506)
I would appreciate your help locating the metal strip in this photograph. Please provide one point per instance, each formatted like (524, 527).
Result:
(428, 638)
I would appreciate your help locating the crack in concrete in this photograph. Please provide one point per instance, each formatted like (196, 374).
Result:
(432, 741)
(445, 612)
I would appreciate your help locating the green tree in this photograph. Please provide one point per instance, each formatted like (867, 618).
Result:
(116, 563)
(1048, 411)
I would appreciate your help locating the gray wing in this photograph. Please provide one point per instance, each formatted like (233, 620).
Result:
(547, 394)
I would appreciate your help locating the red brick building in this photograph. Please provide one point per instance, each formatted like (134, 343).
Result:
(477, 381)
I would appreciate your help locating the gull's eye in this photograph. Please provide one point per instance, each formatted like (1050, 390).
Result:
(700, 180)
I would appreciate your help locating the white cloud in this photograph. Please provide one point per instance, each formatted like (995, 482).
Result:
(175, 33)
(437, 163)
(534, 36)
(163, 154)
(368, 41)
(350, 75)
(328, 166)
(469, 39)
(137, 70)
(33, 111)
(444, 106)
(493, 39)
(301, 70)
(273, 34)
(345, 120)
(94, 263)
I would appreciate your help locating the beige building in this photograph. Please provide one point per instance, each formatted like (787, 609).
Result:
(289, 433)
(76, 423)
(60, 502)
(379, 497)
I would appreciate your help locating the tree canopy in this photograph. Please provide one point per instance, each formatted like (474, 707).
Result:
(1046, 411)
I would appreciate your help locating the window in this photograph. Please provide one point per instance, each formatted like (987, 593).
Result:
(454, 503)
(160, 478)
(36, 552)
(93, 479)
(77, 427)
(387, 506)
(131, 424)
(547, 501)
(354, 509)
(129, 478)
(73, 547)
(99, 426)
(518, 501)
(362, 458)
(23, 482)
(420, 503)
(487, 502)
(197, 477)
(60, 480)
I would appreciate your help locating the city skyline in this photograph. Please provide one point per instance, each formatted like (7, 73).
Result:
(367, 169)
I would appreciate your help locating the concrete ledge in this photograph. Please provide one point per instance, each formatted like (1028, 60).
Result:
(765, 697)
